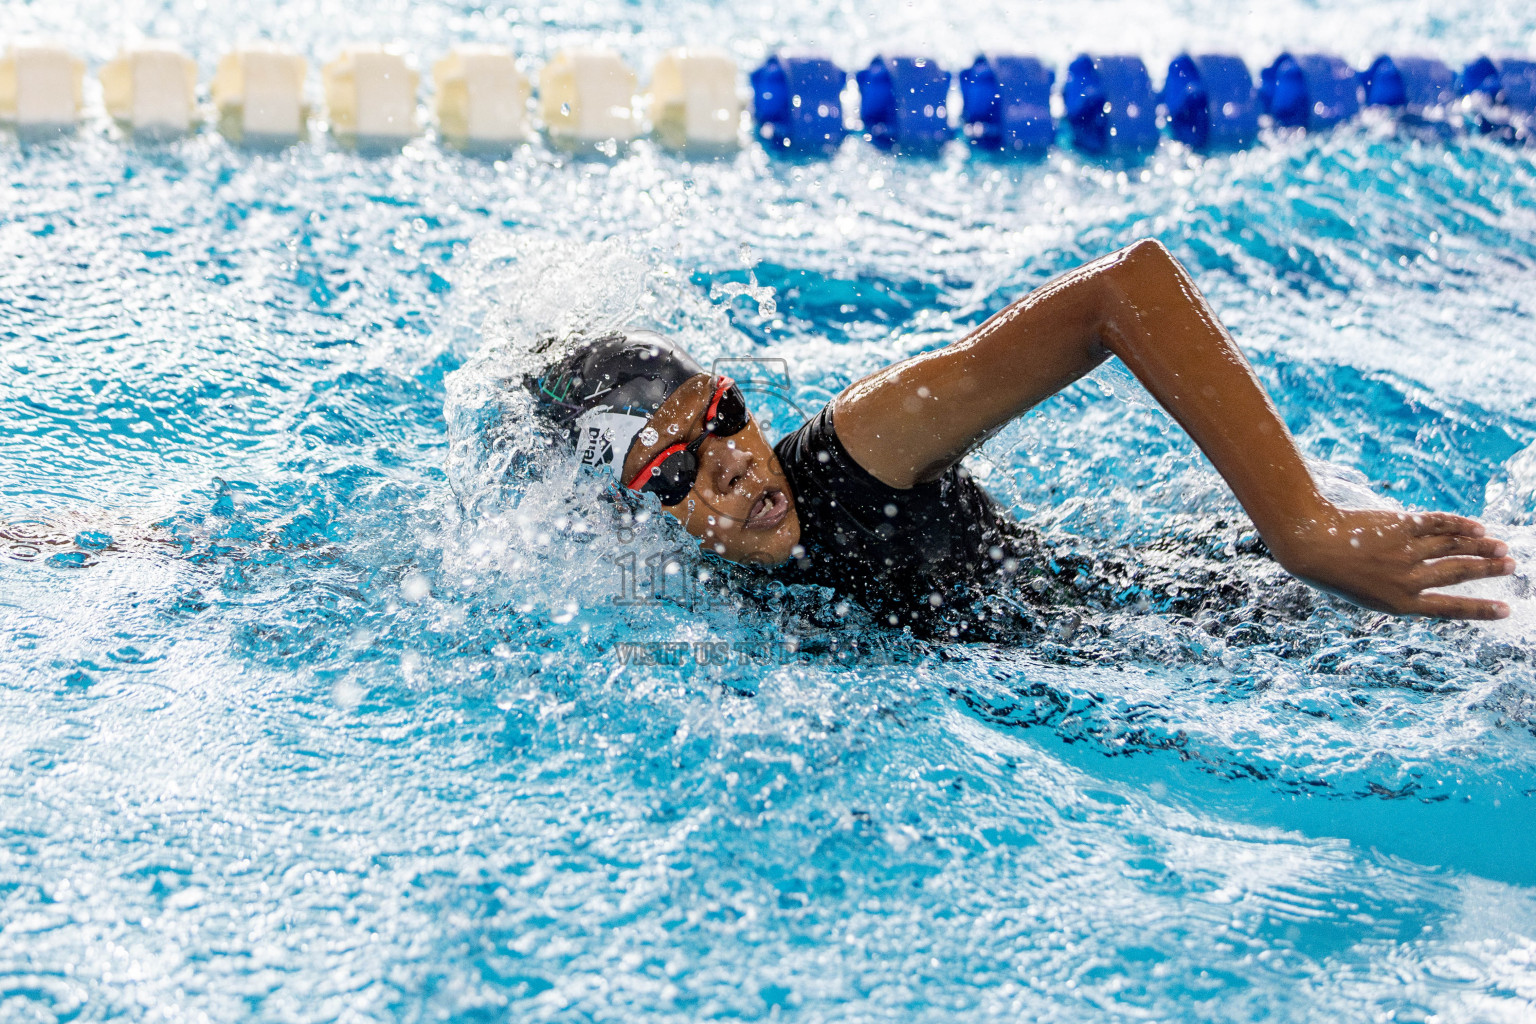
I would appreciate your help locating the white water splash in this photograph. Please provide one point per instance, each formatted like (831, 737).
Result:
(761, 294)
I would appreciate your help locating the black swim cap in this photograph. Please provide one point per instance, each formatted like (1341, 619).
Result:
(604, 390)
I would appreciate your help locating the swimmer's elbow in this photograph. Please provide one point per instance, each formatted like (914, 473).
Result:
(1148, 252)
(1143, 273)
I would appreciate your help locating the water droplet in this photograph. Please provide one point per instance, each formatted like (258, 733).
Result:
(415, 588)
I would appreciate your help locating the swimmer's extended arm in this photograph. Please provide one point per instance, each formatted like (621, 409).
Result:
(912, 420)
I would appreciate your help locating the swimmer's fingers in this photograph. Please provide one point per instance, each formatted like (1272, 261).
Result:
(1442, 545)
(1447, 572)
(1454, 606)
(1426, 524)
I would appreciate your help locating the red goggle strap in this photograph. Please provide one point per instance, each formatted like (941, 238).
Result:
(714, 403)
(709, 414)
(645, 474)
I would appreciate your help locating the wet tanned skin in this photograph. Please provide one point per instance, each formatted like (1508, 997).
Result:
(910, 421)
(737, 474)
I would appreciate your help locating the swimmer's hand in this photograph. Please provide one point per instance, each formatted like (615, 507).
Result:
(1388, 560)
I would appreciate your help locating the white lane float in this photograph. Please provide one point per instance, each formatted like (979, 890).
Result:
(587, 99)
(40, 85)
(481, 96)
(694, 101)
(370, 95)
(151, 87)
(259, 93)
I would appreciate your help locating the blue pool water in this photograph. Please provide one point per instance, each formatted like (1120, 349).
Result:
(341, 724)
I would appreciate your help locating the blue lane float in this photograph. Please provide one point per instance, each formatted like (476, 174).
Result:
(1309, 90)
(1414, 84)
(1211, 102)
(904, 104)
(1509, 82)
(1505, 91)
(1110, 106)
(1006, 105)
(797, 103)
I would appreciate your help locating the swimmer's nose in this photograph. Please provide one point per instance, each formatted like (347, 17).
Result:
(731, 465)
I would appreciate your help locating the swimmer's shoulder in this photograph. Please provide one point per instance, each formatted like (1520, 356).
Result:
(814, 451)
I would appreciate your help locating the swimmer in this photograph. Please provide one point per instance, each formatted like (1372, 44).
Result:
(869, 498)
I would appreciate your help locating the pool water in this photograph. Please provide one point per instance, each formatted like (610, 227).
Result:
(324, 693)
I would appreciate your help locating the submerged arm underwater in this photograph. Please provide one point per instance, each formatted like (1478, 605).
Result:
(910, 421)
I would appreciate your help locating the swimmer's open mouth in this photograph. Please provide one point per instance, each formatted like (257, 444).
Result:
(768, 512)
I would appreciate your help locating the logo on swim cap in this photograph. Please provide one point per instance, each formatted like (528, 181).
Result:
(603, 438)
(598, 447)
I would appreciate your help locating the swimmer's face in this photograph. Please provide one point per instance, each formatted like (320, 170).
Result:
(740, 506)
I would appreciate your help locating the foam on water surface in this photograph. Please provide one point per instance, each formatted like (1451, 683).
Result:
(316, 703)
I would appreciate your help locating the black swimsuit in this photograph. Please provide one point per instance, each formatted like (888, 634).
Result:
(944, 558)
(911, 556)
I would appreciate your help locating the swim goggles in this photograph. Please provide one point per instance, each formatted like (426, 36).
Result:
(675, 469)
